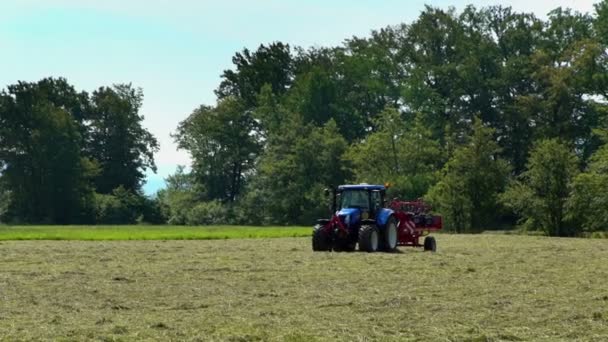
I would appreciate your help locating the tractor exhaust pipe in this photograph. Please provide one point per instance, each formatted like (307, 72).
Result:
(332, 191)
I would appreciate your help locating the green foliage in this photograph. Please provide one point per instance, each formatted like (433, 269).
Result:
(467, 193)
(539, 195)
(116, 139)
(57, 147)
(589, 198)
(433, 87)
(120, 207)
(350, 85)
(176, 206)
(601, 20)
(111, 210)
(405, 156)
(293, 172)
(179, 197)
(41, 148)
(5, 201)
(269, 112)
(405, 100)
(270, 64)
(322, 91)
(182, 202)
(587, 206)
(223, 146)
(207, 213)
(151, 211)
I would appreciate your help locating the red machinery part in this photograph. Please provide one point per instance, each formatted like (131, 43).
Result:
(415, 221)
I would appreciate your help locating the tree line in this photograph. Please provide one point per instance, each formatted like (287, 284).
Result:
(71, 157)
(495, 117)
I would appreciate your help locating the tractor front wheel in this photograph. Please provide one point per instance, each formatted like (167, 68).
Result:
(368, 238)
(321, 241)
(430, 244)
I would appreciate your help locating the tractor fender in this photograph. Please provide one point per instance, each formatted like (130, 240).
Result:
(383, 216)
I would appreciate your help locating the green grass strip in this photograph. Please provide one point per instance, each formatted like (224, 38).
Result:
(142, 232)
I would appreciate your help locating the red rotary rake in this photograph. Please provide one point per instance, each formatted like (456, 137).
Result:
(415, 221)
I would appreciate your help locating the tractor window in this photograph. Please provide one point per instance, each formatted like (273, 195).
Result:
(376, 200)
(354, 199)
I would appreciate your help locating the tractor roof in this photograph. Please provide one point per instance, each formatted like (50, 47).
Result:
(362, 187)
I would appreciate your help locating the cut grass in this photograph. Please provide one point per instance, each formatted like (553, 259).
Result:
(476, 288)
(109, 233)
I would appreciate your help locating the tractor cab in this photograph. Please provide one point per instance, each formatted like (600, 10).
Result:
(359, 202)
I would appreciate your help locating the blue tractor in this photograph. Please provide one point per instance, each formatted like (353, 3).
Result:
(360, 217)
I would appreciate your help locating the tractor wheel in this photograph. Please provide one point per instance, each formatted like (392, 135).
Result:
(368, 238)
(389, 236)
(320, 239)
(430, 244)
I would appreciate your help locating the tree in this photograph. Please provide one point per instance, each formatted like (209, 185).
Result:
(119, 207)
(403, 155)
(294, 171)
(601, 21)
(315, 96)
(517, 37)
(58, 146)
(223, 146)
(539, 195)
(467, 193)
(563, 30)
(434, 87)
(5, 200)
(117, 141)
(270, 115)
(44, 171)
(588, 200)
(270, 64)
(352, 84)
(562, 105)
(179, 197)
(370, 74)
(404, 99)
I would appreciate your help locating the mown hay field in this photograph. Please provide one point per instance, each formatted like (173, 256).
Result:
(480, 287)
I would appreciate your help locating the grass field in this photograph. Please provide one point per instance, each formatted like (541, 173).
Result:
(102, 233)
(476, 288)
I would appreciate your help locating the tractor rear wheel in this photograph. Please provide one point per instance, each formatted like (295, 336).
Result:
(389, 236)
(368, 238)
(320, 239)
(430, 244)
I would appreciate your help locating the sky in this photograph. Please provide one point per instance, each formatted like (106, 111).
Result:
(176, 50)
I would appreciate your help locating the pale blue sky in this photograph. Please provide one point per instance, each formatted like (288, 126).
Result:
(176, 50)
